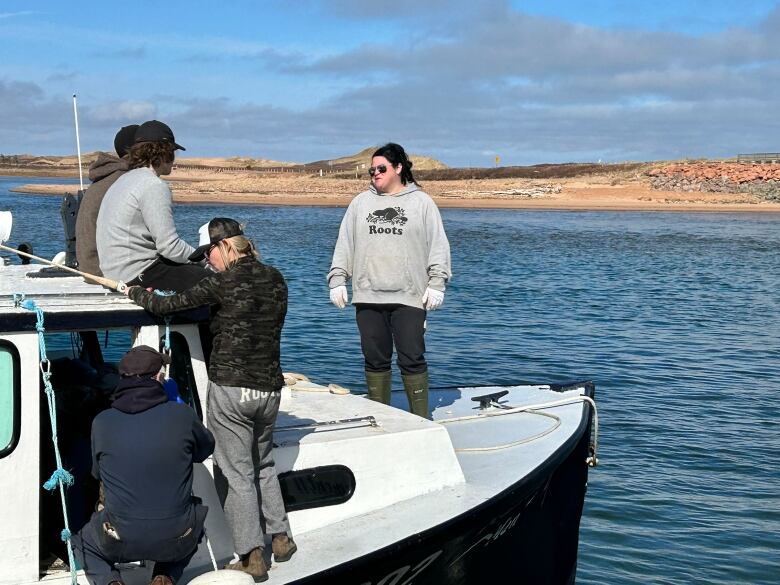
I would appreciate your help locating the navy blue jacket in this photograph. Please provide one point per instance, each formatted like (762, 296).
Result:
(143, 450)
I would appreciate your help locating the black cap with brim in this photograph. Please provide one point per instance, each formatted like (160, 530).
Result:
(220, 228)
(199, 253)
(156, 131)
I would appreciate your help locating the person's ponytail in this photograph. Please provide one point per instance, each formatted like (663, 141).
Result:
(240, 246)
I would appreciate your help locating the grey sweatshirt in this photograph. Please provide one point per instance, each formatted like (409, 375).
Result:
(135, 225)
(103, 173)
(393, 247)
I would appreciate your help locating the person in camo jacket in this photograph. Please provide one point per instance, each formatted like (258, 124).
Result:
(249, 301)
(393, 247)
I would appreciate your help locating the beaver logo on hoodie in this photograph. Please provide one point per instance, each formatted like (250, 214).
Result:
(394, 216)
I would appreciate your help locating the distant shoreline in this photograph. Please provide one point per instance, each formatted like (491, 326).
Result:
(41, 173)
(568, 204)
(592, 193)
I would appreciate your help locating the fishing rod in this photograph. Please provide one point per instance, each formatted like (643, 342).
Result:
(6, 223)
(116, 285)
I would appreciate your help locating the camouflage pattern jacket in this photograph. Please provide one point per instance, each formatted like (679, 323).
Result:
(249, 303)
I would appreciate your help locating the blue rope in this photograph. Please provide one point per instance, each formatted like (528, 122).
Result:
(60, 476)
(167, 342)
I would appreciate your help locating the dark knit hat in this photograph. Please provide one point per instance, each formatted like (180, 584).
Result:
(142, 360)
(124, 139)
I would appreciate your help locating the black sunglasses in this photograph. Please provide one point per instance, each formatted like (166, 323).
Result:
(380, 169)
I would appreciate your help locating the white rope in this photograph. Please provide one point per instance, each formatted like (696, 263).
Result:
(592, 459)
(518, 442)
(211, 551)
(301, 383)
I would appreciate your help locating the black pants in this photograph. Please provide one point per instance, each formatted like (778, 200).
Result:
(97, 552)
(382, 325)
(164, 274)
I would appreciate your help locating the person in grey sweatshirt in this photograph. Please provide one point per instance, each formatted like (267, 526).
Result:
(136, 238)
(393, 248)
(103, 173)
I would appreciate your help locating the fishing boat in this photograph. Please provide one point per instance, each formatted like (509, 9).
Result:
(489, 490)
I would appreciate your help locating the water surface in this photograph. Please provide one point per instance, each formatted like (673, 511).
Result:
(674, 316)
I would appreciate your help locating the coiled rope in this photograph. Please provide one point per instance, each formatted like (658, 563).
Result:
(591, 460)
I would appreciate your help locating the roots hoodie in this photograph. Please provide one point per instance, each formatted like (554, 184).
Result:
(392, 247)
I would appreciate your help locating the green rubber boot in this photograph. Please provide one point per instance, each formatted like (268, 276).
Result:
(378, 386)
(416, 386)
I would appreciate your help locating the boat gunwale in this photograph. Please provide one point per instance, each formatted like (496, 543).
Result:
(97, 319)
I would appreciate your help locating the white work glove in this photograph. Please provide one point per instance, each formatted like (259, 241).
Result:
(432, 299)
(339, 296)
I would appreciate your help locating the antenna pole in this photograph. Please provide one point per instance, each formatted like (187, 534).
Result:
(78, 142)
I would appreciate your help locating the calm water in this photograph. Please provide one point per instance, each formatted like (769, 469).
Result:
(675, 317)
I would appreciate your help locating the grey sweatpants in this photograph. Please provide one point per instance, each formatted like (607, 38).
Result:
(242, 421)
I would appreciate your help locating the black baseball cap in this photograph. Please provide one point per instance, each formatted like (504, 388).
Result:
(142, 360)
(219, 229)
(156, 131)
(124, 139)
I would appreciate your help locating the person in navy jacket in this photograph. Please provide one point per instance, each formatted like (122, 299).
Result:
(143, 451)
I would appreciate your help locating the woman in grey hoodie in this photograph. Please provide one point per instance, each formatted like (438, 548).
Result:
(393, 248)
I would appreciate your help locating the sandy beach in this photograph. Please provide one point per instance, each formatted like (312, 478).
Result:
(610, 191)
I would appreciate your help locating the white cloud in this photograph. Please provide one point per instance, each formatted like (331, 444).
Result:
(121, 113)
(4, 15)
(458, 84)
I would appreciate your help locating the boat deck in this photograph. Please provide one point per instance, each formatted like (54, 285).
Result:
(492, 457)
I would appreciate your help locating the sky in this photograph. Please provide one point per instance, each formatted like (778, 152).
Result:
(531, 82)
